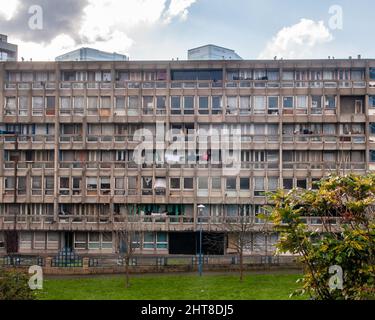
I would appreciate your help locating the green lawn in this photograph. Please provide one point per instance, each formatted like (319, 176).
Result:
(275, 286)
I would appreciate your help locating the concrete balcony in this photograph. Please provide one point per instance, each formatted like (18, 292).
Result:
(27, 142)
(324, 142)
(154, 222)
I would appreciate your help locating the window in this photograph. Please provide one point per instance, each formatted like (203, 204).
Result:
(245, 184)
(120, 103)
(37, 105)
(288, 102)
(202, 183)
(105, 102)
(2, 240)
(188, 105)
(273, 105)
(105, 185)
(259, 186)
(194, 75)
(328, 75)
(231, 105)
(133, 105)
(78, 104)
(259, 104)
(316, 104)
(49, 185)
(21, 185)
(372, 128)
(80, 240)
(161, 240)
(203, 105)
(160, 104)
(358, 75)
(23, 106)
(231, 184)
(216, 183)
(91, 183)
(36, 186)
(273, 75)
(148, 240)
(147, 185)
(175, 183)
(301, 102)
(372, 155)
(330, 102)
(288, 75)
(50, 101)
(64, 186)
(92, 105)
(10, 106)
(216, 104)
(119, 186)
(132, 185)
(76, 184)
(94, 240)
(188, 183)
(176, 105)
(245, 104)
(273, 183)
(372, 73)
(288, 184)
(301, 183)
(260, 75)
(372, 101)
(148, 105)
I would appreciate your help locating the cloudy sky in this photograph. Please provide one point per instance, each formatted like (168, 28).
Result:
(165, 29)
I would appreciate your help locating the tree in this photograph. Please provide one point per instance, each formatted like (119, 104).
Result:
(344, 241)
(14, 286)
(129, 237)
(240, 228)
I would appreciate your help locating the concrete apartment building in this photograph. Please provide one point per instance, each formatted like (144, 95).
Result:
(68, 178)
(8, 51)
(212, 52)
(90, 54)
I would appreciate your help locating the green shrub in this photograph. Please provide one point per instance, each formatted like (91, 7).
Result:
(14, 286)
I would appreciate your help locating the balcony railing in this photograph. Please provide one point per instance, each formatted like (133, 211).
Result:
(327, 165)
(313, 138)
(145, 221)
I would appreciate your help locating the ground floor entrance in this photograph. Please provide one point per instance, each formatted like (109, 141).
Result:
(189, 243)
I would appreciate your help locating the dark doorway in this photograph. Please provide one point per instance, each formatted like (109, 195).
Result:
(11, 241)
(68, 240)
(212, 243)
(182, 243)
(188, 243)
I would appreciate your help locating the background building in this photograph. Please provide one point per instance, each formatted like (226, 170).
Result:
(212, 52)
(67, 174)
(8, 51)
(89, 54)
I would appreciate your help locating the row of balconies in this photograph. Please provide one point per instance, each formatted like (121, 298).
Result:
(149, 223)
(309, 141)
(133, 167)
(245, 84)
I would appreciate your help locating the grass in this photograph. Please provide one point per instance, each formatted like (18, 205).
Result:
(172, 287)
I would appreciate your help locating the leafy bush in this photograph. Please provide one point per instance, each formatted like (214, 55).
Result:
(345, 238)
(14, 286)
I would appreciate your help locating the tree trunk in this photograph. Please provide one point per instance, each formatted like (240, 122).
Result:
(127, 281)
(241, 266)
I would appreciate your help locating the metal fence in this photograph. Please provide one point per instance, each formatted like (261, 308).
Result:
(21, 261)
(69, 259)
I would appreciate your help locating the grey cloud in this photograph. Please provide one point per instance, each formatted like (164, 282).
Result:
(59, 16)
